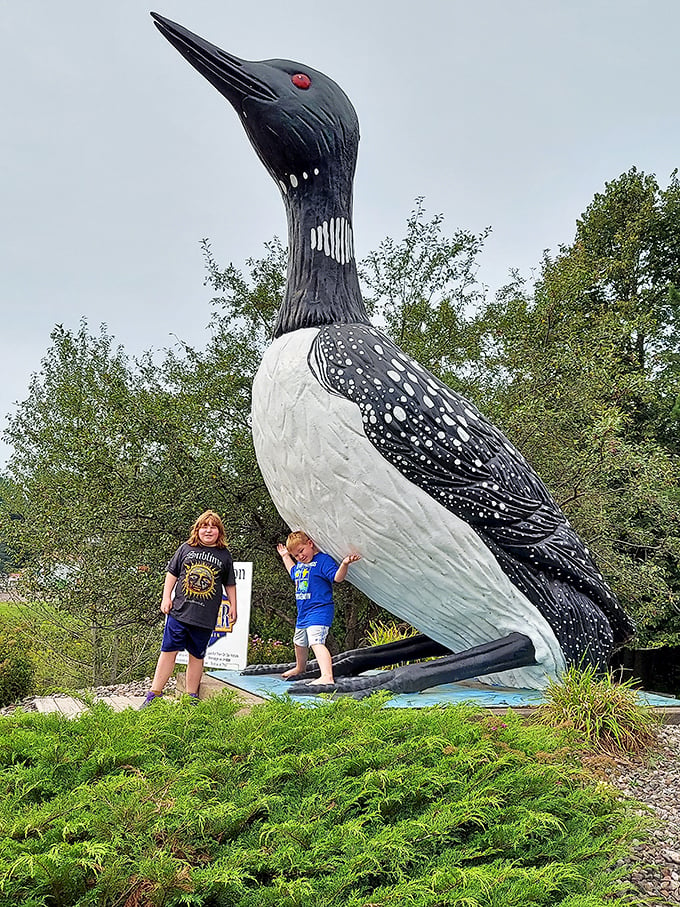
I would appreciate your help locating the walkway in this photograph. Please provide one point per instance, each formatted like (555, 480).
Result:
(70, 707)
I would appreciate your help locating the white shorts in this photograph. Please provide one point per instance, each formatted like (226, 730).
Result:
(310, 636)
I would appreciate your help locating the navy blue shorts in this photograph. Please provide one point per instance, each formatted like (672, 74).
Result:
(178, 636)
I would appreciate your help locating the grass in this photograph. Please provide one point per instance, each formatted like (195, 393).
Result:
(10, 612)
(381, 632)
(607, 714)
(345, 803)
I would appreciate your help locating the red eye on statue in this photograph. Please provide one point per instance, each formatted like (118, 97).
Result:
(300, 80)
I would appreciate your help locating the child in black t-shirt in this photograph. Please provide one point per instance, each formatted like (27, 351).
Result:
(198, 571)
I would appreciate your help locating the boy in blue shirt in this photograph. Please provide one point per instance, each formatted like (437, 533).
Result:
(313, 575)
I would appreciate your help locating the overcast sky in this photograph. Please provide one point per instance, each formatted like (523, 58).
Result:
(118, 157)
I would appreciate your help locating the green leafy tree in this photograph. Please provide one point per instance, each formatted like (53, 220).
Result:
(7, 560)
(586, 382)
(422, 290)
(111, 465)
(81, 477)
(628, 241)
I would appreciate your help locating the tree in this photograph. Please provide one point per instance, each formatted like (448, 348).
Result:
(111, 465)
(7, 559)
(422, 291)
(78, 479)
(587, 382)
(628, 243)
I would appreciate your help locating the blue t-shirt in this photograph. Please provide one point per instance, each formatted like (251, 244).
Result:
(314, 591)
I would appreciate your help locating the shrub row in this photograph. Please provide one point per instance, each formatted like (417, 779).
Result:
(345, 803)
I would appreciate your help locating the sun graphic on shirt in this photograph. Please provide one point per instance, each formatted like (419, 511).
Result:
(199, 580)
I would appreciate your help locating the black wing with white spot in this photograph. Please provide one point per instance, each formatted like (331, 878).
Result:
(441, 443)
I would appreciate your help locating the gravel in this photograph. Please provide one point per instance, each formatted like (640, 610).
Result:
(657, 785)
(655, 863)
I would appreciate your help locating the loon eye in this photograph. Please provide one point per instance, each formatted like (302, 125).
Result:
(300, 80)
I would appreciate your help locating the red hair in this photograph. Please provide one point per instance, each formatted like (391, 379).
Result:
(208, 518)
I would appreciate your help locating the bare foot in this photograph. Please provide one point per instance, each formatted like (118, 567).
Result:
(293, 673)
(322, 682)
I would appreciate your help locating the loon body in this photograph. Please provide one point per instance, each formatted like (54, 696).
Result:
(367, 451)
(423, 563)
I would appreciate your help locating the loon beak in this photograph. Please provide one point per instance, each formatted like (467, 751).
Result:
(232, 77)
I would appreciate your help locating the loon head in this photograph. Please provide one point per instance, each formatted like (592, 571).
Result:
(306, 133)
(301, 124)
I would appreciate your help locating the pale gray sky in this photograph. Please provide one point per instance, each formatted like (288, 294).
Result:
(117, 157)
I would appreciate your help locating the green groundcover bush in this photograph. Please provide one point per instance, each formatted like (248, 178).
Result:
(17, 669)
(345, 803)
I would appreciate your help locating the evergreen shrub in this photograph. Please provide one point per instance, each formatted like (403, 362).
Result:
(17, 669)
(341, 804)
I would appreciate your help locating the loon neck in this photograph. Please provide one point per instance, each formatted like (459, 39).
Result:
(322, 286)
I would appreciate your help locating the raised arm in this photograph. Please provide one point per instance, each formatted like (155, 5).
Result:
(342, 569)
(288, 561)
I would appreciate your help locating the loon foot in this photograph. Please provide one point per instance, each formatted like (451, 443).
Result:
(413, 648)
(354, 661)
(513, 651)
(267, 669)
(312, 670)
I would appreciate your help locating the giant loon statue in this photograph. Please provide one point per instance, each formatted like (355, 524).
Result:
(368, 452)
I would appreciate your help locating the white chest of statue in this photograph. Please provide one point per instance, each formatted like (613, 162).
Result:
(326, 478)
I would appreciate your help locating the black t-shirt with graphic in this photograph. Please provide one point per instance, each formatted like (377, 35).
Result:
(201, 573)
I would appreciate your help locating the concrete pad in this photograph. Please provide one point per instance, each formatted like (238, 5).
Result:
(118, 703)
(266, 686)
(63, 705)
(45, 704)
(70, 707)
(212, 685)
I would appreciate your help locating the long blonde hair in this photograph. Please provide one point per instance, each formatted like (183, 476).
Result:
(208, 517)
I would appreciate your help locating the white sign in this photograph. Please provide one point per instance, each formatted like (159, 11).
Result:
(228, 646)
